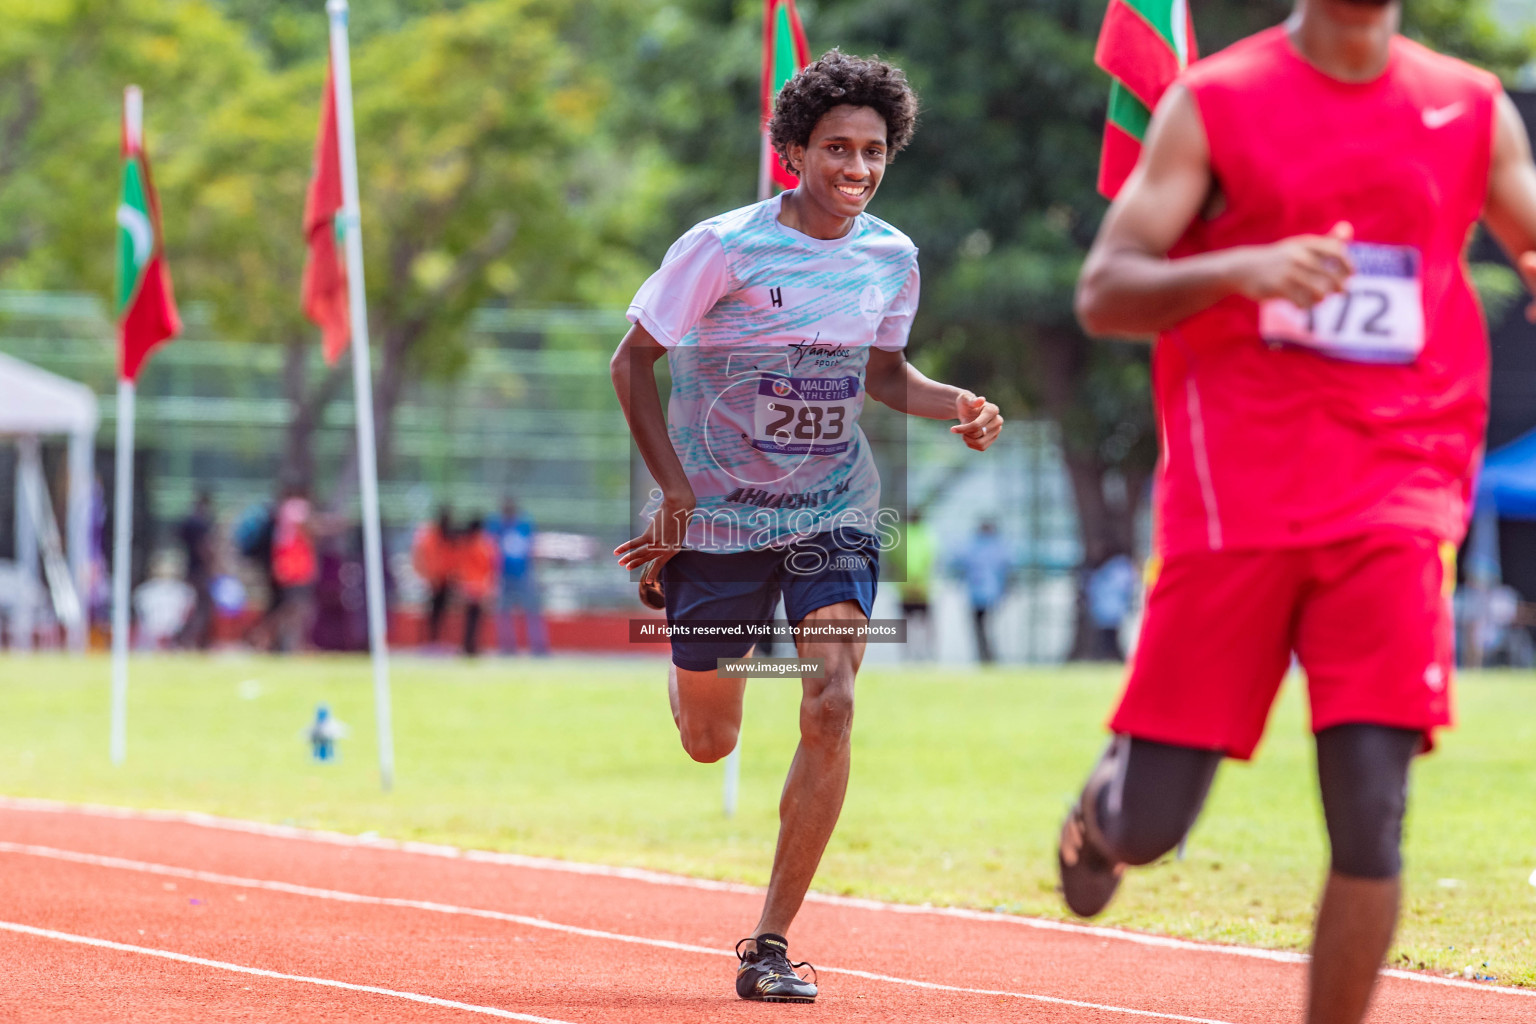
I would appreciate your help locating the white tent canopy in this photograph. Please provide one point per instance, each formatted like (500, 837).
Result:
(33, 403)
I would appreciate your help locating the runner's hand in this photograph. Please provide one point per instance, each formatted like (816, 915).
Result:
(1305, 269)
(1526, 264)
(980, 422)
(662, 537)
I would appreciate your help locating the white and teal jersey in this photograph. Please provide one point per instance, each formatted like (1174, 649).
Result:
(768, 334)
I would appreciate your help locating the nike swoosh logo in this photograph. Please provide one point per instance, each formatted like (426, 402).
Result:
(1439, 117)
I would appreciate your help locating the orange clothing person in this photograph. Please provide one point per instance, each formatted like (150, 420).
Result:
(432, 558)
(476, 557)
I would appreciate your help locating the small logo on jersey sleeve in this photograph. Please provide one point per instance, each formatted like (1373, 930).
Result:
(872, 302)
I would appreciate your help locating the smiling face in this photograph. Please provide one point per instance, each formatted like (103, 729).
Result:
(840, 167)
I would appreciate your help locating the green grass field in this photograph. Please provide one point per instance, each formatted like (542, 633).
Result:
(960, 780)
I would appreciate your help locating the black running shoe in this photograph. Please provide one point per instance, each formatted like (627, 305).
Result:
(767, 975)
(1089, 875)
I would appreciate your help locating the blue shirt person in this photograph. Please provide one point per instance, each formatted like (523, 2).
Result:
(985, 564)
(514, 532)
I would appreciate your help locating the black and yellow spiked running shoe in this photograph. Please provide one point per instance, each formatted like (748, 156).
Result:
(767, 975)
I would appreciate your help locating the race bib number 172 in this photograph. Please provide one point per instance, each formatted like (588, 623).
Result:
(1378, 318)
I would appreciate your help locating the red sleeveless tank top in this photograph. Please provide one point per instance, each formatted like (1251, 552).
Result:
(1267, 445)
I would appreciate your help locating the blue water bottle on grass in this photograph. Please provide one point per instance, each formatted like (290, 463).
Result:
(324, 733)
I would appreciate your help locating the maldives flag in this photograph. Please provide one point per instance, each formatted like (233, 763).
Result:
(1144, 44)
(146, 307)
(325, 273)
(784, 52)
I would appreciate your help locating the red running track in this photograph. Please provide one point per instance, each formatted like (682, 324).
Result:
(109, 915)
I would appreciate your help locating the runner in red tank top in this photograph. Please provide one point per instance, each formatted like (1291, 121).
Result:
(1294, 236)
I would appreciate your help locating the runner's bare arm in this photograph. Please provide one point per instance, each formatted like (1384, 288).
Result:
(1510, 212)
(633, 369)
(891, 380)
(1129, 287)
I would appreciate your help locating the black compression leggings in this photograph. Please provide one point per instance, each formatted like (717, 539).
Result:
(1158, 789)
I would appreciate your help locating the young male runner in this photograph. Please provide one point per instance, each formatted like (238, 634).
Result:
(1295, 236)
(777, 320)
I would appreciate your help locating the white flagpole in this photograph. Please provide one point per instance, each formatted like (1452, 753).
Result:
(362, 382)
(122, 528)
(732, 778)
(122, 568)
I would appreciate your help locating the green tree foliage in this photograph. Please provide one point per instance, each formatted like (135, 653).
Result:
(288, 32)
(63, 66)
(685, 101)
(487, 172)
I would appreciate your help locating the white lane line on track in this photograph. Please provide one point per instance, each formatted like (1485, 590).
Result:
(260, 972)
(214, 878)
(212, 821)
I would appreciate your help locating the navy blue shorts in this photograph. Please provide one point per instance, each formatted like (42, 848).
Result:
(744, 587)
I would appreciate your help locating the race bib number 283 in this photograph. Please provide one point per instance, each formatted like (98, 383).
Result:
(805, 415)
(1378, 318)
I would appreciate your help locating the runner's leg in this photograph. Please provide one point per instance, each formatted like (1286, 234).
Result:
(1214, 647)
(707, 587)
(818, 775)
(1363, 773)
(707, 710)
(1375, 639)
(1153, 797)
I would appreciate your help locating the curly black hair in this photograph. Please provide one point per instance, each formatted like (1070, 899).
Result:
(837, 78)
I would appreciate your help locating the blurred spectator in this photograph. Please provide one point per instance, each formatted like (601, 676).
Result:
(161, 604)
(1111, 588)
(253, 539)
(514, 533)
(432, 558)
(21, 598)
(295, 568)
(340, 602)
(474, 577)
(985, 564)
(100, 587)
(1492, 627)
(916, 561)
(197, 544)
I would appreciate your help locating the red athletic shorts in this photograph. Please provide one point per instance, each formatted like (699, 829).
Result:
(1368, 618)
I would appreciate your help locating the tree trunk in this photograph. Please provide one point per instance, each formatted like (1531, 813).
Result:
(308, 410)
(1106, 523)
(391, 384)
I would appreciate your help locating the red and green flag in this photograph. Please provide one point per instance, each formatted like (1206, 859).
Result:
(145, 305)
(324, 292)
(1144, 44)
(785, 52)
